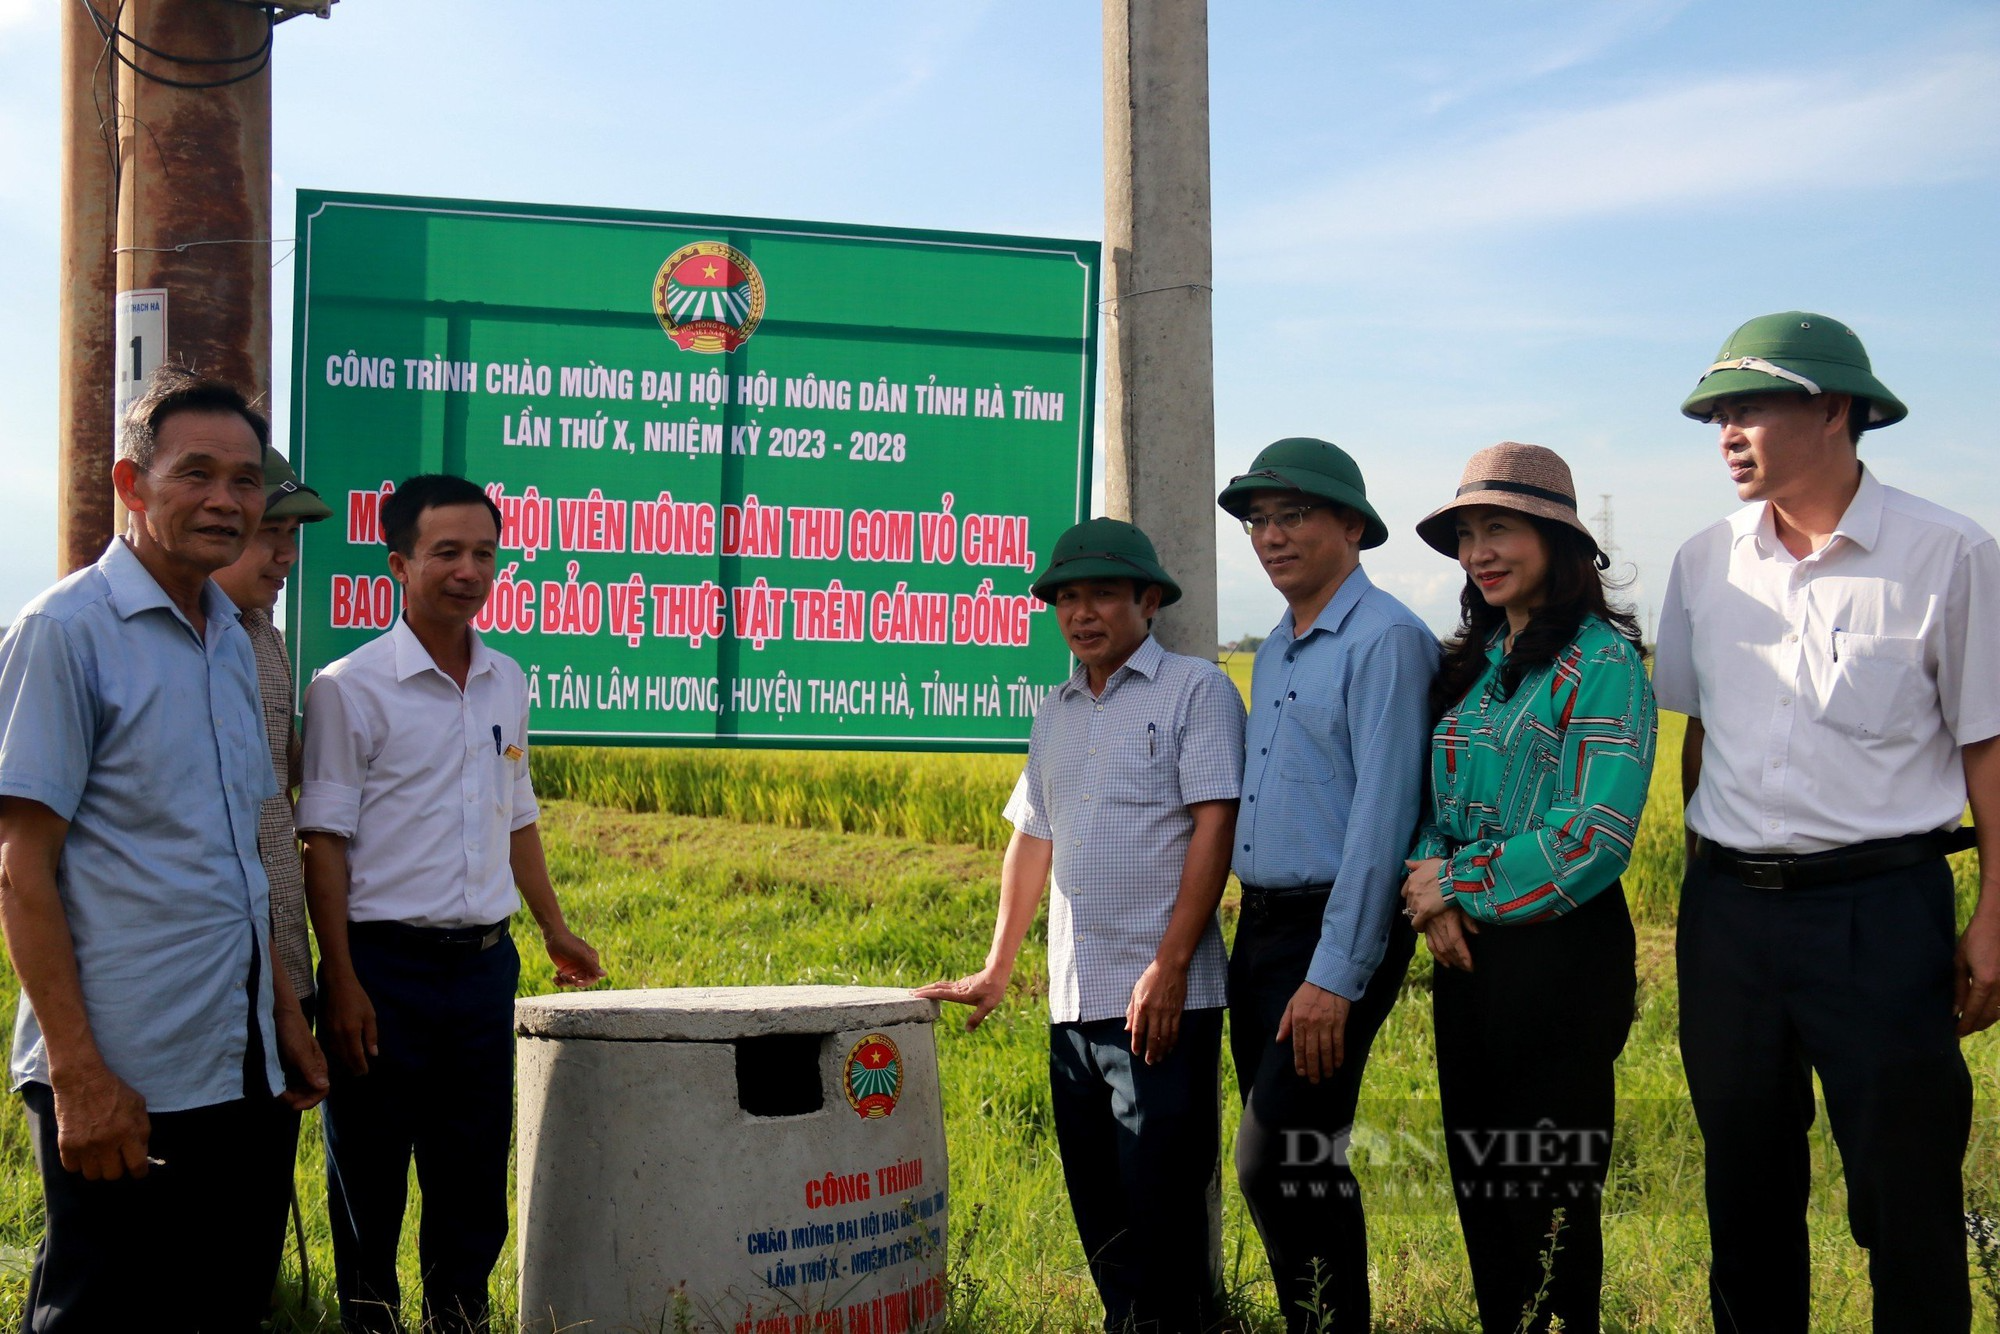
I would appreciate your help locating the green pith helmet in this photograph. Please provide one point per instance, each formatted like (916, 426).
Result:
(286, 497)
(1105, 549)
(1314, 467)
(1795, 352)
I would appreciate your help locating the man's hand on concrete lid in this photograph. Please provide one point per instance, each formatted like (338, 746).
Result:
(983, 991)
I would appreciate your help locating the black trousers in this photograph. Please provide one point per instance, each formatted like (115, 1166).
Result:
(1854, 981)
(1141, 1156)
(1525, 1046)
(440, 1090)
(1291, 1149)
(193, 1245)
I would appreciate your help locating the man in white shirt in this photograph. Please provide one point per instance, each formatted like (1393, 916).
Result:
(419, 822)
(1836, 647)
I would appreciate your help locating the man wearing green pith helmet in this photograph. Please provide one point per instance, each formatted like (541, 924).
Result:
(1836, 647)
(1129, 798)
(1333, 782)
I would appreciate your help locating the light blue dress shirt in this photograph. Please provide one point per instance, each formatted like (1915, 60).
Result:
(150, 742)
(1333, 775)
(1109, 781)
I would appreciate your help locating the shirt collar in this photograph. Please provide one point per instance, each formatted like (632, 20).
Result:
(134, 589)
(1860, 524)
(1334, 615)
(413, 659)
(1145, 660)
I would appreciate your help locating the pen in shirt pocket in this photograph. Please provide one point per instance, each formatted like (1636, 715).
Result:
(1152, 734)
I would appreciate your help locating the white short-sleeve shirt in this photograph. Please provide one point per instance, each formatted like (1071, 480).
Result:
(425, 781)
(1835, 691)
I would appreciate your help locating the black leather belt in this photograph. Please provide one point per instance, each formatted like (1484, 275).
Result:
(1877, 857)
(1257, 899)
(444, 939)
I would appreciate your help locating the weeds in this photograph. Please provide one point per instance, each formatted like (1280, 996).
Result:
(1982, 1225)
(965, 1287)
(1534, 1306)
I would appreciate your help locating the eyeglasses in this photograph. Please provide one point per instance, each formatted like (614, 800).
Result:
(1287, 520)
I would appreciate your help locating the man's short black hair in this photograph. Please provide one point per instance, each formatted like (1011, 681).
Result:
(1858, 411)
(428, 491)
(175, 389)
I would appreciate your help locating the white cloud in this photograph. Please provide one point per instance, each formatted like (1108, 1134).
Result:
(1571, 39)
(23, 14)
(1691, 145)
(931, 47)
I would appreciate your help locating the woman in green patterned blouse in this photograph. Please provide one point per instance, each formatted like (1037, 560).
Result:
(1539, 765)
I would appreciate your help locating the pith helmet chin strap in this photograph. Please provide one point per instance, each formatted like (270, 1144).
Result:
(1768, 368)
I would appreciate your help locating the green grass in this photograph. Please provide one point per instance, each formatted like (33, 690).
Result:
(779, 891)
(932, 798)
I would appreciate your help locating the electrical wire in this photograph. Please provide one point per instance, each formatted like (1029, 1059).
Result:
(114, 35)
(186, 246)
(102, 23)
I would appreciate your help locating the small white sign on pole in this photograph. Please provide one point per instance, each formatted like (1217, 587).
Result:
(140, 344)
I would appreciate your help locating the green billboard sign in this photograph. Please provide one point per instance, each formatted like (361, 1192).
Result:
(761, 482)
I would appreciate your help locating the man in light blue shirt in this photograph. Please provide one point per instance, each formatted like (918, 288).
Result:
(151, 1025)
(1333, 777)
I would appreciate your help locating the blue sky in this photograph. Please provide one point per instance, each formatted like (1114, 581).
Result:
(1436, 225)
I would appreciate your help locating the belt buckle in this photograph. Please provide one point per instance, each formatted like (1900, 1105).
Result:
(1764, 872)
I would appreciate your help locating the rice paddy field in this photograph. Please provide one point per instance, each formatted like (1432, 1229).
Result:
(722, 868)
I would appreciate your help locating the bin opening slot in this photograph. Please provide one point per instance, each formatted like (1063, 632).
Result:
(778, 1074)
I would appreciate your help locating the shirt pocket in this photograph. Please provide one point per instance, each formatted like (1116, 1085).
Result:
(1880, 686)
(1144, 768)
(1306, 736)
(506, 773)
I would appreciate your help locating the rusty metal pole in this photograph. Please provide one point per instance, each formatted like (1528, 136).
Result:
(84, 360)
(194, 198)
(1159, 379)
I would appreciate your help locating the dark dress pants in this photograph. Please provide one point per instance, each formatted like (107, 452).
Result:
(185, 1248)
(1141, 1156)
(440, 1090)
(1852, 980)
(1291, 1149)
(1525, 1047)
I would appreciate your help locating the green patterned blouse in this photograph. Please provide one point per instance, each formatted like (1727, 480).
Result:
(1535, 799)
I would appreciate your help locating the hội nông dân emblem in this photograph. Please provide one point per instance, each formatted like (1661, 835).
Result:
(709, 297)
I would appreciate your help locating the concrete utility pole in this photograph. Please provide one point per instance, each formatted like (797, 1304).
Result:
(195, 172)
(1159, 391)
(166, 184)
(83, 359)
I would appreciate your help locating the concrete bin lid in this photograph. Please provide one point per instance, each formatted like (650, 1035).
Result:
(716, 1014)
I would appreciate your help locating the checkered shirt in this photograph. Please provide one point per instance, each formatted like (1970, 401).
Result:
(277, 836)
(1109, 782)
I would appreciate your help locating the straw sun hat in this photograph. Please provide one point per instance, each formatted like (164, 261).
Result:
(1527, 478)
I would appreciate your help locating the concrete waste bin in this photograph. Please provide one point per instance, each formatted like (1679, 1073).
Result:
(748, 1160)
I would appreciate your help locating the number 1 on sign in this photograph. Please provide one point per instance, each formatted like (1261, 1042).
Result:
(142, 332)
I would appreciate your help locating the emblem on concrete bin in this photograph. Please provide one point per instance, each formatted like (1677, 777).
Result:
(873, 1076)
